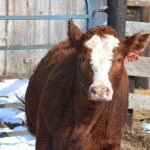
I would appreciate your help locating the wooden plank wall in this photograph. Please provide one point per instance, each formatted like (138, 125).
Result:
(138, 3)
(2, 37)
(138, 20)
(33, 32)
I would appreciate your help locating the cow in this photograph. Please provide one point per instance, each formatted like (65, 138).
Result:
(77, 98)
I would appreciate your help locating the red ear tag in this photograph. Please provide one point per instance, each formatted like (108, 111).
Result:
(133, 55)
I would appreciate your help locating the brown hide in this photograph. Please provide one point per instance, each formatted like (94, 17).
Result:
(70, 122)
(38, 80)
(58, 111)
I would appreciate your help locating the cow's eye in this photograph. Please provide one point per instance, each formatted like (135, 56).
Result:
(119, 60)
(83, 60)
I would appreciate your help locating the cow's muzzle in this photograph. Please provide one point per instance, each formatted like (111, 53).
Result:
(99, 93)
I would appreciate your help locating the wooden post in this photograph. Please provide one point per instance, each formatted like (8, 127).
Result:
(117, 13)
(129, 120)
(117, 10)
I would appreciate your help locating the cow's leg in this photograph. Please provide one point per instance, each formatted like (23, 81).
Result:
(115, 147)
(43, 144)
(43, 140)
(112, 147)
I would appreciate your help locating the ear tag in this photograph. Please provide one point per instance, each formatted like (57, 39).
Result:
(133, 55)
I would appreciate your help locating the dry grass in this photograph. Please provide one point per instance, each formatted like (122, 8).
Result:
(136, 139)
(141, 91)
(141, 116)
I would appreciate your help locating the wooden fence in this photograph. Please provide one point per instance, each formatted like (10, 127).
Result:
(138, 20)
(140, 68)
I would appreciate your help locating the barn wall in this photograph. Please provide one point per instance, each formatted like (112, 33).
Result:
(2, 37)
(33, 32)
(142, 14)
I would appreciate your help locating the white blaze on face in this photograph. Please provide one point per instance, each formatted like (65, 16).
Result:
(101, 59)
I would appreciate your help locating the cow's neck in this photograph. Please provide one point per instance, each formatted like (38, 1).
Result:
(105, 118)
(112, 118)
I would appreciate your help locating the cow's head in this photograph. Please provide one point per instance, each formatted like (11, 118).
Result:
(101, 57)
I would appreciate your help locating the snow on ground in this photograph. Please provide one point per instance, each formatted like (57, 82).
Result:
(25, 142)
(8, 91)
(146, 127)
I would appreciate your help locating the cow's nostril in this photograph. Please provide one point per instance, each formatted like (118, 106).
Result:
(92, 90)
(107, 90)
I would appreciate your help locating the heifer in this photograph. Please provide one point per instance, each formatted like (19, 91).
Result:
(77, 98)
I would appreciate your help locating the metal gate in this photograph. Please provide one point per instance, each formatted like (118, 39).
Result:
(87, 16)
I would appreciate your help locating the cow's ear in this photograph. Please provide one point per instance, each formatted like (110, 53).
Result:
(74, 34)
(137, 42)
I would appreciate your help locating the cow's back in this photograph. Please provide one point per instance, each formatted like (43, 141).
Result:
(38, 80)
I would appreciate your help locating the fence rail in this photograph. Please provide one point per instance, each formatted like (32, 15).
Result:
(140, 68)
(10, 105)
(46, 17)
(25, 47)
(135, 2)
(138, 3)
(137, 101)
(133, 27)
(10, 134)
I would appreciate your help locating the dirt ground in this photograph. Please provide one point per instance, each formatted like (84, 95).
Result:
(136, 138)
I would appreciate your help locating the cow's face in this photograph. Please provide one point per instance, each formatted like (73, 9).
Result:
(103, 54)
(101, 59)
